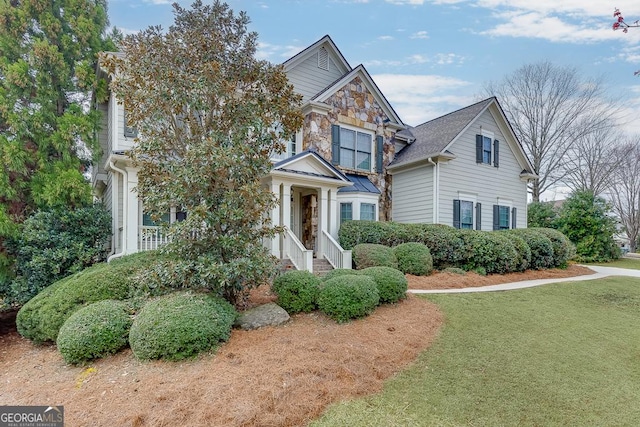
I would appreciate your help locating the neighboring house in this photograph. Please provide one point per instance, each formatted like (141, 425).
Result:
(465, 169)
(333, 170)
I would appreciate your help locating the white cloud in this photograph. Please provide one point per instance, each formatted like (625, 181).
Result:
(418, 98)
(418, 59)
(385, 38)
(419, 35)
(552, 28)
(275, 53)
(448, 58)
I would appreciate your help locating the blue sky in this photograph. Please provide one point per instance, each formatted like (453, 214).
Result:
(430, 57)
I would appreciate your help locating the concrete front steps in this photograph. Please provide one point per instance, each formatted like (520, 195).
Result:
(320, 266)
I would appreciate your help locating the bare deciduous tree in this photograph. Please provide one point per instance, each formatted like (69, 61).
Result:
(550, 107)
(592, 161)
(625, 191)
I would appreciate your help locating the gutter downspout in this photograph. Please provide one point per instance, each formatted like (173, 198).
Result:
(436, 191)
(124, 212)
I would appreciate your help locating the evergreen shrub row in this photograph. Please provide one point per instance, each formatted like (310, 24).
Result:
(492, 252)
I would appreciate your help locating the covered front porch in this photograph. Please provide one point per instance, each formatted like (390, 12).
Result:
(306, 188)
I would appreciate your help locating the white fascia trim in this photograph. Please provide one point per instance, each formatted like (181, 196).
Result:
(316, 107)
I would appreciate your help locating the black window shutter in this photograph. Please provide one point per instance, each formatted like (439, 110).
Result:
(379, 152)
(496, 153)
(129, 131)
(478, 148)
(335, 144)
(478, 216)
(456, 213)
(496, 217)
(514, 212)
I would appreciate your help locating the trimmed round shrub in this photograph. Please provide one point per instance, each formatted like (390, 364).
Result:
(337, 273)
(540, 246)
(492, 251)
(414, 258)
(373, 255)
(297, 291)
(563, 249)
(523, 251)
(40, 319)
(95, 331)
(348, 297)
(180, 325)
(392, 284)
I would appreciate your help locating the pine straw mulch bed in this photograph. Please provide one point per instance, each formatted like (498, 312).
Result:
(276, 376)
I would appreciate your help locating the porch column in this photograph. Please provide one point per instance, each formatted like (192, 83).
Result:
(275, 219)
(132, 214)
(323, 218)
(286, 205)
(334, 214)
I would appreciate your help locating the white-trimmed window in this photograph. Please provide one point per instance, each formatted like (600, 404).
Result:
(363, 206)
(467, 213)
(353, 148)
(368, 211)
(346, 212)
(504, 215)
(487, 148)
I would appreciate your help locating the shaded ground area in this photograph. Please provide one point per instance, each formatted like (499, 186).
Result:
(281, 376)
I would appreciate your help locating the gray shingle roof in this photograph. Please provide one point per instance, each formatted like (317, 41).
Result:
(361, 184)
(433, 136)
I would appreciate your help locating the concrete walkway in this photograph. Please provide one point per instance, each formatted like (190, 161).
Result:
(600, 272)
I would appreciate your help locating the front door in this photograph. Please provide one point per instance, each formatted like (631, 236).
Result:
(309, 213)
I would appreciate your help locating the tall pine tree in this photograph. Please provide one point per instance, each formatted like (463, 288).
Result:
(48, 52)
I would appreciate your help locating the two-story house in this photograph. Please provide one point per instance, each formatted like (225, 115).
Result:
(339, 166)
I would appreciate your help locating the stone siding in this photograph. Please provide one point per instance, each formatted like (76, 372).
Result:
(354, 105)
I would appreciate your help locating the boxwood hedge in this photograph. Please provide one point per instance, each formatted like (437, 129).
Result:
(563, 249)
(180, 325)
(348, 297)
(486, 249)
(373, 255)
(95, 331)
(414, 258)
(540, 246)
(392, 284)
(40, 319)
(297, 291)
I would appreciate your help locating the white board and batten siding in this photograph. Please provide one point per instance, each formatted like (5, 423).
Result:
(463, 176)
(312, 76)
(413, 195)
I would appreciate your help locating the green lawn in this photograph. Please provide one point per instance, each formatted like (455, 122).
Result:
(562, 354)
(631, 263)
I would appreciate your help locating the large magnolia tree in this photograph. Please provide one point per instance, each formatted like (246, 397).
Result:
(208, 115)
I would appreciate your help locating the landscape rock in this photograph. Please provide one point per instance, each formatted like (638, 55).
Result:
(270, 314)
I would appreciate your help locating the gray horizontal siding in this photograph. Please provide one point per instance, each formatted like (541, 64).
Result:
(308, 80)
(463, 174)
(412, 196)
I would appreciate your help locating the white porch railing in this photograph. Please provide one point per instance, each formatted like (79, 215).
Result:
(333, 252)
(151, 238)
(293, 249)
